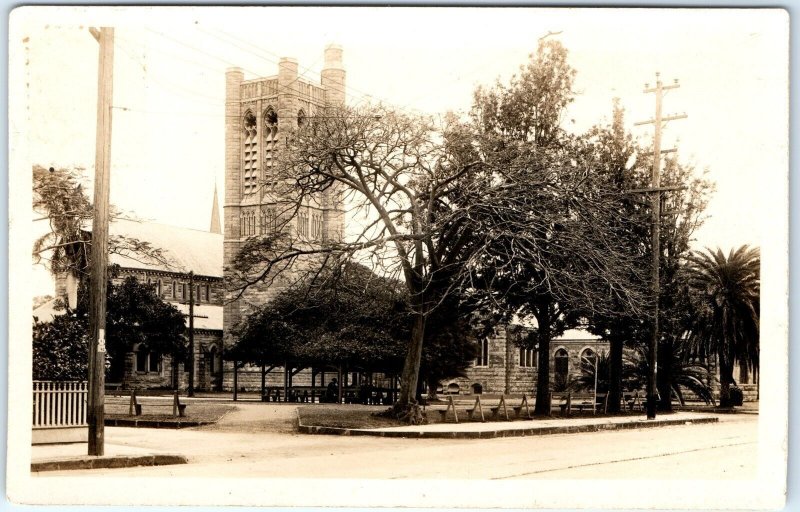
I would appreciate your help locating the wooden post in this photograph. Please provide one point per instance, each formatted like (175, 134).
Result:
(313, 384)
(235, 380)
(131, 407)
(99, 249)
(263, 382)
(191, 334)
(657, 121)
(339, 382)
(285, 381)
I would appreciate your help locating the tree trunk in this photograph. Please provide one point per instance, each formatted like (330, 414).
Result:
(615, 375)
(542, 407)
(725, 381)
(410, 375)
(664, 377)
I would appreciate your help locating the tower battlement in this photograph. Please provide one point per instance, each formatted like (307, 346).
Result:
(260, 113)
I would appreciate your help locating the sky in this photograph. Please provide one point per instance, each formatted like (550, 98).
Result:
(167, 150)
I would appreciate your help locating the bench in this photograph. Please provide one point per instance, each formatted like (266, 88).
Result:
(581, 401)
(523, 405)
(501, 405)
(178, 409)
(635, 400)
(450, 405)
(478, 407)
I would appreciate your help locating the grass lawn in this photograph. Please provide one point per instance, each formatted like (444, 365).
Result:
(162, 410)
(345, 416)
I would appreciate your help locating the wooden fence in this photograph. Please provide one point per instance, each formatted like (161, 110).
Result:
(59, 404)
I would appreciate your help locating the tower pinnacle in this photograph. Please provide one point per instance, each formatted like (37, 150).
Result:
(215, 214)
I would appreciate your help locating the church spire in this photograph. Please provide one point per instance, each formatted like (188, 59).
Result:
(215, 214)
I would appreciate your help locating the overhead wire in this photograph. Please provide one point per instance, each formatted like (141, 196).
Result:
(217, 101)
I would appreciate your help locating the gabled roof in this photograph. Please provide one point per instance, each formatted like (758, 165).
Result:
(206, 316)
(185, 249)
(577, 335)
(46, 312)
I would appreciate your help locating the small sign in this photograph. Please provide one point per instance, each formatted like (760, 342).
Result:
(101, 340)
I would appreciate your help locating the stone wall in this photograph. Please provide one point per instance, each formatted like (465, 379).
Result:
(505, 374)
(206, 343)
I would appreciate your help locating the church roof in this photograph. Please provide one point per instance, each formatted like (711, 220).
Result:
(46, 312)
(185, 249)
(577, 335)
(206, 316)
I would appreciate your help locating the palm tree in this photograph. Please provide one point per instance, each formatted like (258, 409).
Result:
(586, 380)
(725, 296)
(687, 373)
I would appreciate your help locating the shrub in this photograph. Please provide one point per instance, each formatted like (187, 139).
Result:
(737, 396)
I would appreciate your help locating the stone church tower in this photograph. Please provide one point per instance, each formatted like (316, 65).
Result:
(260, 114)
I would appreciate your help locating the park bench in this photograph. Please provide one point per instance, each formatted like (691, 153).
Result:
(501, 405)
(476, 407)
(178, 409)
(523, 405)
(635, 401)
(581, 401)
(450, 405)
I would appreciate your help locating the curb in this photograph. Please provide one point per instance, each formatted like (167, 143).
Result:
(110, 462)
(119, 422)
(491, 434)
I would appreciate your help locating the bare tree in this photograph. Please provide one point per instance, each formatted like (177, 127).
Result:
(393, 172)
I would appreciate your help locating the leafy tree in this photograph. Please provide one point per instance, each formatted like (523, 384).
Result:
(625, 166)
(343, 316)
(725, 292)
(550, 223)
(615, 156)
(134, 315)
(346, 316)
(60, 348)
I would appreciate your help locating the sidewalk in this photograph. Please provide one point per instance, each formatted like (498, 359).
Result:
(475, 430)
(53, 457)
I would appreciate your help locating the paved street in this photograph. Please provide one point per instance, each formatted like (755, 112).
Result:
(259, 441)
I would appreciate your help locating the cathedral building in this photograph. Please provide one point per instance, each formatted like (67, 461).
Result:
(260, 115)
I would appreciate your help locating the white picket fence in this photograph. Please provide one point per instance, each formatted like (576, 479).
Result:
(59, 404)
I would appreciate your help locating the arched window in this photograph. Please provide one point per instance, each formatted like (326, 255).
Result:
(250, 157)
(560, 369)
(301, 118)
(270, 140)
(588, 355)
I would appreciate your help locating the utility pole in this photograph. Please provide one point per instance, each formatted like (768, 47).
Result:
(655, 191)
(191, 334)
(99, 250)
